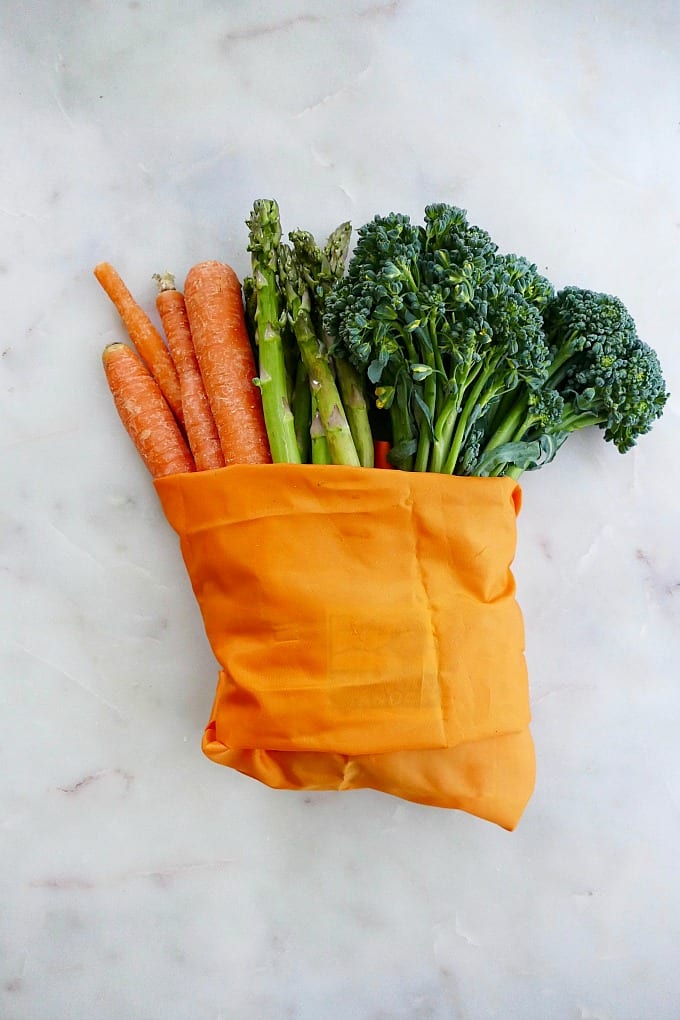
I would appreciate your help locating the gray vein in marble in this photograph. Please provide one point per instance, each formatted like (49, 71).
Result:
(126, 777)
(343, 89)
(74, 680)
(659, 587)
(272, 28)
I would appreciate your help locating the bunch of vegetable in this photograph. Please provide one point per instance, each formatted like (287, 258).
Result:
(485, 370)
(457, 357)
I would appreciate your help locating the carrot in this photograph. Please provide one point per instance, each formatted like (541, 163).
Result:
(198, 420)
(381, 449)
(144, 335)
(145, 413)
(214, 304)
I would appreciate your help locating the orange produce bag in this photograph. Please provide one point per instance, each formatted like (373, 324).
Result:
(367, 630)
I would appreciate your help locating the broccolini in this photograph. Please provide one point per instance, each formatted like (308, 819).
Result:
(482, 367)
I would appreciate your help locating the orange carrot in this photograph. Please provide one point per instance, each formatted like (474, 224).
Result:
(381, 449)
(145, 413)
(144, 335)
(198, 420)
(214, 303)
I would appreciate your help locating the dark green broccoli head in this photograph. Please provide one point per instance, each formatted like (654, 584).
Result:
(579, 320)
(441, 296)
(605, 373)
(516, 299)
(446, 275)
(448, 233)
(474, 353)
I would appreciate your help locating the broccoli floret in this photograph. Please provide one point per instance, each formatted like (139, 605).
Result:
(600, 373)
(482, 367)
(443, 326)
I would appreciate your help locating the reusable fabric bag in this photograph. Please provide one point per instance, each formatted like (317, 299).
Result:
(366, 627)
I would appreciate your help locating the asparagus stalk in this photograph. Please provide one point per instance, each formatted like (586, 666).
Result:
(321, 453)
(321, 267)
(356, 408)
(314, 356)
(250, 308)
(302, 412)
(265, 234)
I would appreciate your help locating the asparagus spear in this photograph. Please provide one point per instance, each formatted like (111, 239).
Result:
(250, 309)
(321, 267)
(265, 234)
(302, 411)
(315, 359)
(321, 454)
(354, 400)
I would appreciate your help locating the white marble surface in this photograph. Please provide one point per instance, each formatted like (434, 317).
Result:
(138, 879)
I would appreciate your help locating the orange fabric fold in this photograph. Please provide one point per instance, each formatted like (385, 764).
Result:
(367, 630)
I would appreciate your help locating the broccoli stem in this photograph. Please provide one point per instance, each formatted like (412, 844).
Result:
(445, 424)
(402, 427)
(512, 427)
(438, 363)
(572, 420)
(562, 356)
(430, 398)
(512, 420)
(500, 411)
(265, 233)
(472, 403)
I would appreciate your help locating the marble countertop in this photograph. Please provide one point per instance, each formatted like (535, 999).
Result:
(139, 880)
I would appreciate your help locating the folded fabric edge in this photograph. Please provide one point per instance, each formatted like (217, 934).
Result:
(492, 779)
